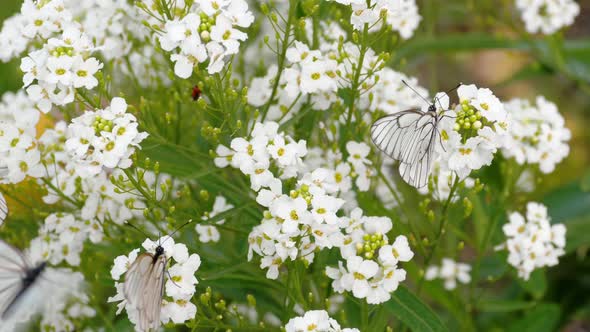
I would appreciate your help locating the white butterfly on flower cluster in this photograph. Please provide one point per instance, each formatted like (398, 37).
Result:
(410, 137)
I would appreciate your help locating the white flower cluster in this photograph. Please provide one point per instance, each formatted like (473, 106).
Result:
(547, 16)
(62, 237)
(101, 199)
(254, 157)
(179, 287)
(356, 168)
(537, 133)
(449, 271)
(401, 15)
(37, 20)
(533, 242)
(371, 270)
(348, 57)
(62, 65)
(103, 138)
(309, 73)
(315, 321)
(210, 233)
(19, 156)
(390, 95)
(472, 132)
(111, 24)
(212, 35)
(295, 224)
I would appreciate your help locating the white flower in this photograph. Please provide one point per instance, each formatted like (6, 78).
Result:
(315, 321)
(122, 264)
(537, 134)
(84, 71)
(359, 271)
(547, 16)
(293, 212)
(182, 281)
(358, 153)
(533, 242)
(207, 233)
(105, 137)
(398, 252)
(324, 208)
(451, 272)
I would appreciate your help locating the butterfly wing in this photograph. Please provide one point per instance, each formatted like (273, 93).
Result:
(143, 288)
(13, 268)
(409, 137)
(154, 290)
(3, 208)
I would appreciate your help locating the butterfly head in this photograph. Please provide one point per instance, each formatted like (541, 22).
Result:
(159, 250)
(432, 108)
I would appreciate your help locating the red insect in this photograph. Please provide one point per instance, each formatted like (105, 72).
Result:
(196, 94)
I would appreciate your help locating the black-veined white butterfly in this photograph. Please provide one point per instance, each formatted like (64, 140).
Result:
(410, 137)
(144, 284)
(17, 278)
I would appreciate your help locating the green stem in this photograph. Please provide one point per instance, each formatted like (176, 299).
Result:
(354, 86)
(282, 57)
(364, 315)
(441, 228)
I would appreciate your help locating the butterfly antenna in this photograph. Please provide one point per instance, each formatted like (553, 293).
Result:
(179, 228)
(436, 99)
(416, 92)
(455, 88)
(136, 228)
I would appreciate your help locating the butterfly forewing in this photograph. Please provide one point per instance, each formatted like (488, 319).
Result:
(409, 137)
(143, 288)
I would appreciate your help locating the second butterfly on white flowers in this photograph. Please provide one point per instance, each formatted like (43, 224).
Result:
(17, 278)
(410, 137)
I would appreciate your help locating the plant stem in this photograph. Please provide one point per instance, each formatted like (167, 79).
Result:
(355, 81)
(282, 56)
(364, 315)
(441, 228)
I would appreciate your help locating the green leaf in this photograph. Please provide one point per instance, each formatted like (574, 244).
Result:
(536, 285)
(413, 312)
(570, 205)
(504, 305)
(543, 317)
(173, 160)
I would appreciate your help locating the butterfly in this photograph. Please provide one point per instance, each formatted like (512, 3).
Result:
(144, 284)
(144, 287)
(17, 278)
(410, 137)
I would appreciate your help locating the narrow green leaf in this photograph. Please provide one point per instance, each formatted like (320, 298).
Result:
(413, 312)
(504, 305)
